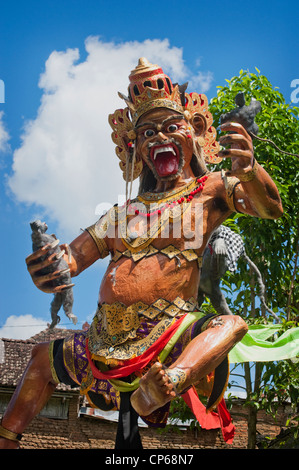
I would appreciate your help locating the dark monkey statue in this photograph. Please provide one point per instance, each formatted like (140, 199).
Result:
(221, 254)
(244, 115)
(64, 298)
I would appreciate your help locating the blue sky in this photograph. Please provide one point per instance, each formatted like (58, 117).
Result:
(62, 64)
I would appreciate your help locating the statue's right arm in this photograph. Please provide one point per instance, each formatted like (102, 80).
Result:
(79, 255)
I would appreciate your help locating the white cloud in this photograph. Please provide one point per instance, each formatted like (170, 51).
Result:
(4, 136)
(22, 327)
(201, 81)
(66, 164)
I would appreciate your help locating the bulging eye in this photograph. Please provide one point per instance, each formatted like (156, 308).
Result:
(172, 128)
(149, 133)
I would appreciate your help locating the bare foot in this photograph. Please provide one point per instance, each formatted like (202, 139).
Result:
(155, 389)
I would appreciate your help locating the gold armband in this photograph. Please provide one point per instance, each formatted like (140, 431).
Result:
(230, 182)
(12, 436)
(95, 232)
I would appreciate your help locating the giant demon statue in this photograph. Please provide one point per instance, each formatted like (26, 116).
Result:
(148, 341)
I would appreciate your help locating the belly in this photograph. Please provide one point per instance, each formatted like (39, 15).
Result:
(149, 279)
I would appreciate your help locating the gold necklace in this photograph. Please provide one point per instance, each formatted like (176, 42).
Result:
(159, 201)
(163, 211)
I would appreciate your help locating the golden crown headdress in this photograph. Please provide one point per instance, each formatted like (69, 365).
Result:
(151, 88)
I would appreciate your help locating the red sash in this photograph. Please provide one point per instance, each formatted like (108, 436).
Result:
(211, 420)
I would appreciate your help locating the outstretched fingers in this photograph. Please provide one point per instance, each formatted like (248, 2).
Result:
(54, 276)
(237, 141)
(230, 153)
(46, 284)
(62, 288)
(43, 251)
(34, 267)
(41, 260)
(240, 142)
(236, 128)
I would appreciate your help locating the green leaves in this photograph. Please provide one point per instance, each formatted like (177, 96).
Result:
(271, 244)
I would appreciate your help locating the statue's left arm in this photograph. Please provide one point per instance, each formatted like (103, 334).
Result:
(249, 188)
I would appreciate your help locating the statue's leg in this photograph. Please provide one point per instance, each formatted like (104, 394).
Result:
(201, 356)
(32, 393)
(219, 301)
(55, 307)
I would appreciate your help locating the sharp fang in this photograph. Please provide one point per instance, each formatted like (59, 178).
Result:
(163, 149)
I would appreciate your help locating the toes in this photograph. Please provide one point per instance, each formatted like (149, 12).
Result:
(157, 370)
(166, 385)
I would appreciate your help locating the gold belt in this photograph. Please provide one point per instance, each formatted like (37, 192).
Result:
(117, 317)
(119, 323)
(170, 251)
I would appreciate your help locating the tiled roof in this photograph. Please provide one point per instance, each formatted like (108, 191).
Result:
(51, 333)
(16, 353)
(16, 356)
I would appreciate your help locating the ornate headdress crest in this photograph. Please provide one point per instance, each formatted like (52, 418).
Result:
(151, 88)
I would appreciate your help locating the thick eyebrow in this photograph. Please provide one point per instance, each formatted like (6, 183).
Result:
(153, 124)
(173, 117)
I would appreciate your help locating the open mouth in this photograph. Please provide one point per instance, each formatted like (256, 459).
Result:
(166, 159)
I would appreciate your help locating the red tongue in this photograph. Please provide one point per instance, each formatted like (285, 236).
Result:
(166, 164)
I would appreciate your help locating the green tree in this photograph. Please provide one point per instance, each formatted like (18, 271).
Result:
(271, 244)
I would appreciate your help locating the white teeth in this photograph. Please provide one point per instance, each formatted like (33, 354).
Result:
(163, 149)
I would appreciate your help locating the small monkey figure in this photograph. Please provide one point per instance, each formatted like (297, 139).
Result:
(242, 114)
(64, 298)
